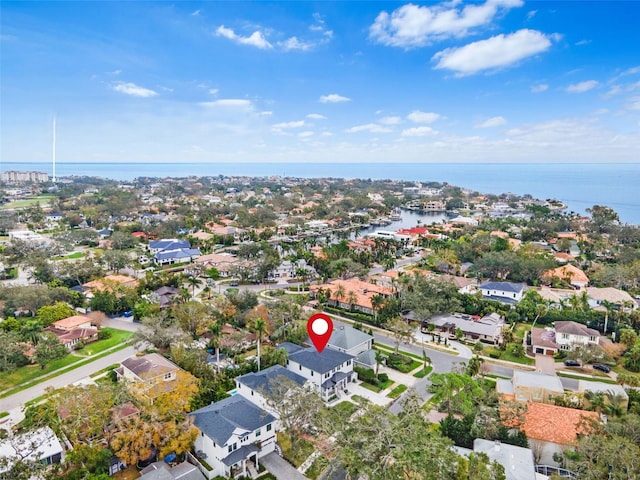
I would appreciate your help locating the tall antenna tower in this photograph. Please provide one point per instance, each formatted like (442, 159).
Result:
(54, 149)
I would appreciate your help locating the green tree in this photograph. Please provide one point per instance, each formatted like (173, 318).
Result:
(193, 317)
(260, 327)
(49, 349)
(52, 313)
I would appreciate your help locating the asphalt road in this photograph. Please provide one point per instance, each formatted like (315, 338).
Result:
(19, 399)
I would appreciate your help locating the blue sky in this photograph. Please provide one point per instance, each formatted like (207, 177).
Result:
(492, 81)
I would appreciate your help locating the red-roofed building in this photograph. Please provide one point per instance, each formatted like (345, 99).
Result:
(353, 294)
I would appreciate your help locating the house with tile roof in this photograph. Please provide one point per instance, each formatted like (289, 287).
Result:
(567, 273)
(254, 385)
(223, 262)
(108, 283)
(505, 292)
(233, 433)
(329, 372)
(597, 298)
(552, 429)
(73, 330)
(363, 292)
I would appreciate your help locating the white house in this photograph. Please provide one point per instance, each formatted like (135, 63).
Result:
(571, 334)
(252, 386)
(354, 342)
(40, 446)
(288, 269)
(150, 369)
(597, 297)
(329, 372)
(506, 292)
(232, 433)
(170, 250)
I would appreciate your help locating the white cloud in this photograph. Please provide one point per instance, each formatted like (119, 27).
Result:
(369, 127)
(492, 122)
(495, 52)
(316, 116)
(266, 113)
(582, 86)
(418, 132)
(114, 72)
(256, 39)
(327, 134)
(229, 102)
(306, 134)
(390, 120)
(129, 88)
(423, 117)
(583, 42)
(213, 91)
(333, 98)
(531, 14)
(415, 26)
(320, 26)
(633, 103)
(196, 13)
(296, 124)
(294, 44)
(541, 87)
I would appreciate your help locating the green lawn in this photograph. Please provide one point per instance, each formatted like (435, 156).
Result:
(117, 337)
(378, 388)
(396, 392)
(507, 355)
(31, 372)
(345, 409)
(604, 379)
(42, 199)
(71, 256)
(423, 372)
(9, 382)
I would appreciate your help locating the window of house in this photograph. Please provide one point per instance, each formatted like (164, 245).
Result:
(258, 432)
(269, 428)
(565, 336)
(300, 367)
(592, 339)
(348, 362)
(312, 373)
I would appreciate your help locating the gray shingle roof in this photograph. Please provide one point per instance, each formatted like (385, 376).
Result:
(319, 362)
(262, 380)
(239, 454)
(504, 286)
(347, 337)
(574, 328)
(219, 420)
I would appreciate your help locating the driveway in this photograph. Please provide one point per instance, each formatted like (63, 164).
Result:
(280, 467)
(545, 364)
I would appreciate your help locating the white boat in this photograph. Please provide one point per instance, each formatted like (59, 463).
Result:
(396, 214)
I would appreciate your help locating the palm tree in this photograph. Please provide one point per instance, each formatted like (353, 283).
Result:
(193, 283)
(352, 299)
(260, 327)
(340, 292)
(377, 301)
(216, 330)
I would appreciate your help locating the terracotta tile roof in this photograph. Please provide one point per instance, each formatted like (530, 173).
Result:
(555, 424)
(103, 283)
(72, 322)
(364, 291)
(570, 272)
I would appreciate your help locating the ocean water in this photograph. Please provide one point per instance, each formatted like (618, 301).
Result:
(580, 186)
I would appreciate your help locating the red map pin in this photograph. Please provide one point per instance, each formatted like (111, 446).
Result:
(320, 328)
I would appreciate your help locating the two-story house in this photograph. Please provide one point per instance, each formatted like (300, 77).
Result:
(232, 433)
(505, 292)
(329, 372)
(571, 334)
(253, 386)
(169, 251)
(352, 341)
(289, 270)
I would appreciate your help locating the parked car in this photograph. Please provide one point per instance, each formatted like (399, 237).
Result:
(602, 367)
(128, 314)
(233, 284)
(571, 363)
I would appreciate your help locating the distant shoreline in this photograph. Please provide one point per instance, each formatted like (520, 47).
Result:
(579, 186)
